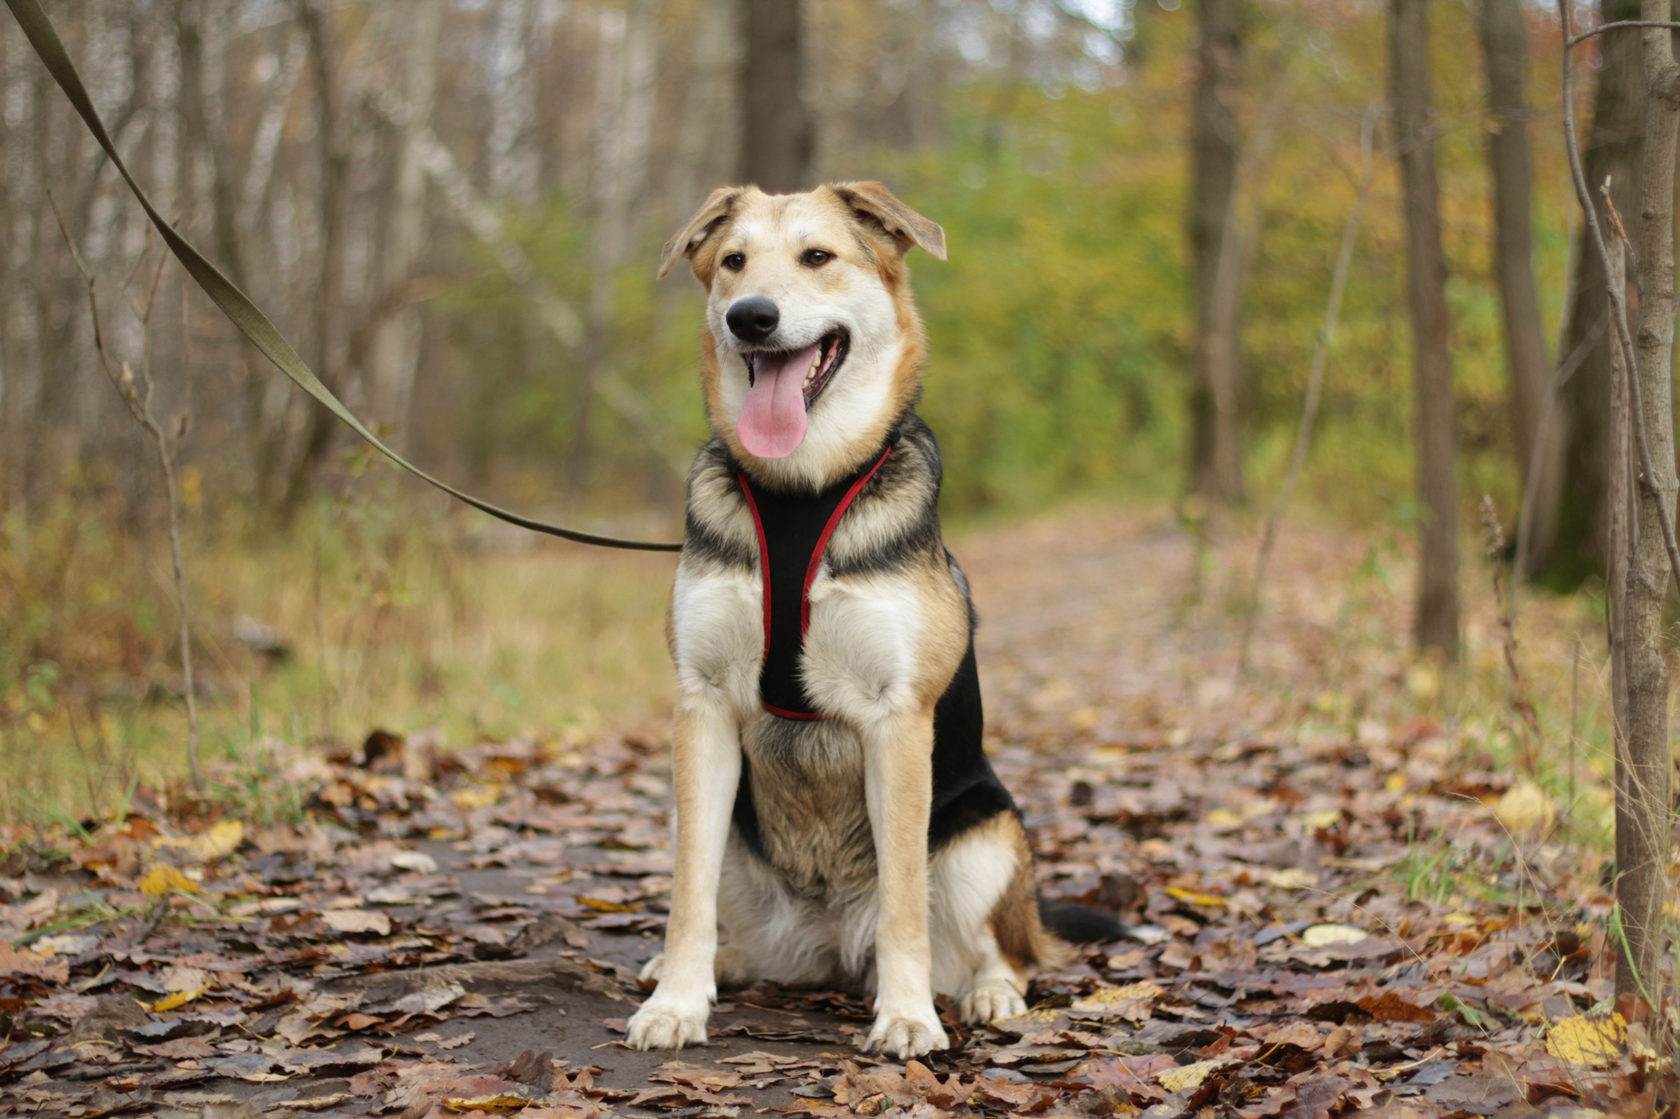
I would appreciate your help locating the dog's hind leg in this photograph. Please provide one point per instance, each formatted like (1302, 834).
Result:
(979, 883)
(706, 766)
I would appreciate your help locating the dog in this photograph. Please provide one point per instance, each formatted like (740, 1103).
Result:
(835, 810)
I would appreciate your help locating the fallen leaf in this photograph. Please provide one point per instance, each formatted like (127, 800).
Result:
(1524, 809)
(179, 998)
(495, 1101)
(417, 861)
(1587, 1040)
(1189, 1076)
(357, 921)
(219, 841)
(1292, 878)
(163, 879)
(1322, 936)
(478, 796)
(1211, 901)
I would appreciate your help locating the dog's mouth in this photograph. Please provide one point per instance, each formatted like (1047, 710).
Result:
(782, 386)
(819, 363)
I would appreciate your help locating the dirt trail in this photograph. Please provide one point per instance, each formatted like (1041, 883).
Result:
(1332, 918)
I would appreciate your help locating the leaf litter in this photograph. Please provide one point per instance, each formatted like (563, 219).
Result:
(456, 931)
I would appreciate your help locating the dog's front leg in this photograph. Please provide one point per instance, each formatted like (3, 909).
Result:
(898, 781)
(706, 765)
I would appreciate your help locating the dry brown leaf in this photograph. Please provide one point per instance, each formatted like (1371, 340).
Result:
(357, 921)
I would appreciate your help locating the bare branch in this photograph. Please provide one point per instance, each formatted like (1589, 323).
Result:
(1315, 379)
(124, 381)
(1577, 40)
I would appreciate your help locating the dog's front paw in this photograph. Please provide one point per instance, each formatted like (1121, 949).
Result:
(990, 1001)
(667, 1024)
(906, 1035)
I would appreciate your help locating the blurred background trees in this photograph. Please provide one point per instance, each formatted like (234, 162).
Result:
(453, 210)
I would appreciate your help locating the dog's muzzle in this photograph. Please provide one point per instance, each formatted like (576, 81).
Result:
(753, 319)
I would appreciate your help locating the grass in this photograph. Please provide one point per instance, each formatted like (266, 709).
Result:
(389, 622)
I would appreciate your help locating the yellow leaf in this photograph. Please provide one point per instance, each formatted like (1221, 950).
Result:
(163, 879)
(1111, 998)
(1524, 809)
(179, 998)
(601, 905)
(1321, 936)
(1325, 818)
(1212, 901)
(219, 841)
(479, 796)
(1222, 818)
(496, 1101)
(1293, 878)
(1424, 680)
(1396, 782)
(1027, 1020)
(1588, 1041)
(1189, 1076)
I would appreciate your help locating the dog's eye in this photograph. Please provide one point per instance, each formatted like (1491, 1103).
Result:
(735, 261)
(815, 258)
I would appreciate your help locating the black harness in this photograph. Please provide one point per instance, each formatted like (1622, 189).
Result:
(793, 533)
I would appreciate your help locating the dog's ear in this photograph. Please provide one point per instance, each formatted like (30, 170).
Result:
(701, 226)
(879, 208)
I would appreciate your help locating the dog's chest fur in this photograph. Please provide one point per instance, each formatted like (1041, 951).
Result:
(883, 575)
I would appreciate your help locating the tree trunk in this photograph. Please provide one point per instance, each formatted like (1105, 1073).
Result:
(1613, 152)
(1538, 430)
(778, 138)
(1436, 624)
(1216, 258)
(334, 155)
(624, 113)
(203, 141)
(394, 350)
(1642, 768)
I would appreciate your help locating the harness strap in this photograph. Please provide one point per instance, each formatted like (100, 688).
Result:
(793, 532)
(237, 306)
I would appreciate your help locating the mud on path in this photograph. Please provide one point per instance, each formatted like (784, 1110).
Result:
(1333, 916)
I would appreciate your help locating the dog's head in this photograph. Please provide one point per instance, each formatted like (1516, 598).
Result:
(814, 344)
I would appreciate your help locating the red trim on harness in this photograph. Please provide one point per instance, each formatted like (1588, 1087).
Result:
(822, 543)
(807, 716)
(763, 560)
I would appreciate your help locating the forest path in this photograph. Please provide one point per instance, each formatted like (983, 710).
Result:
(1333, 917)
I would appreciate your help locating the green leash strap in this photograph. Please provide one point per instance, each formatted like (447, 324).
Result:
(237, 306)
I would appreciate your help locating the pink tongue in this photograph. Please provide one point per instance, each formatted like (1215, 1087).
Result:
(772, 422)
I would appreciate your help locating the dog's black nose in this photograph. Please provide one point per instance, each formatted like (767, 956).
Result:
(753, 319)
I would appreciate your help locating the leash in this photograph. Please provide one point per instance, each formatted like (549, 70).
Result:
(237, 306)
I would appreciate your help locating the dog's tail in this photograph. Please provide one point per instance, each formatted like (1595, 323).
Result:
(1078, 924)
